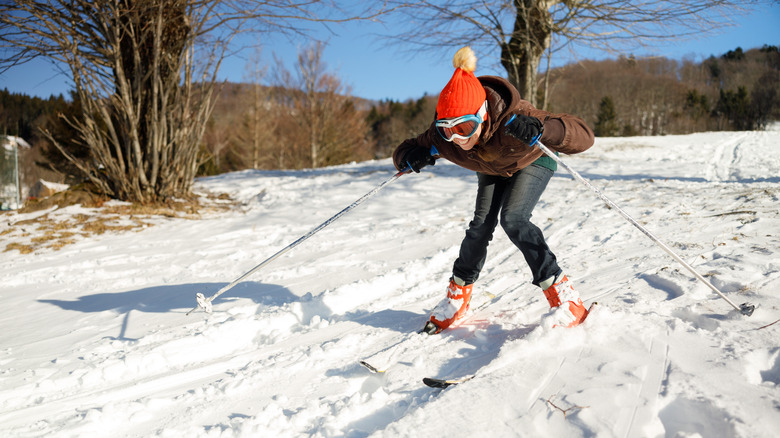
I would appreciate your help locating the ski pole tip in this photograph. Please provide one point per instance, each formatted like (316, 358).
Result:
(747, 309)
(203, 302)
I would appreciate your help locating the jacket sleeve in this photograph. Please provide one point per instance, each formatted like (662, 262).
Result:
(577, 136)
(563, 133)
(424, 140)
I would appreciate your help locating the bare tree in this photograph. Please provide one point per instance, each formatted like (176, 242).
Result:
(145, 73)
(257, 129)
(519, 32)
(322, 110)
(219, 135)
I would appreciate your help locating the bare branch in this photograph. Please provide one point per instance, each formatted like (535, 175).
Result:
(564, 411)
(516, 33)
(145, 75)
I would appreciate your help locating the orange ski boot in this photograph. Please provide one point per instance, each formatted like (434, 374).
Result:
(566, 308)
(451, 308)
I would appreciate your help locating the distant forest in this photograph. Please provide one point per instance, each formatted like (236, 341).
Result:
(256, 126)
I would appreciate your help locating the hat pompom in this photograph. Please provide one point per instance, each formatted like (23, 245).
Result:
(463, 94)
(465, 59)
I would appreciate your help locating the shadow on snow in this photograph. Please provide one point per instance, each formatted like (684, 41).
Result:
(181, 298)
(164, 299)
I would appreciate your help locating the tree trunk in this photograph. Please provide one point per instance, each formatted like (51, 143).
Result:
(151, 41)
(256, 130)
(530, 37)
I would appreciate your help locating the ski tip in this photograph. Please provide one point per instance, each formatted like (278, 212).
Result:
(371, 368)
(436, 383)
(443, 383)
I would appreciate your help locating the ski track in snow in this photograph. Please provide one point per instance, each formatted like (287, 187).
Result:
(94, 340)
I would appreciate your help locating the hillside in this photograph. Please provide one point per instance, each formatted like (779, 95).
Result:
(94, 340)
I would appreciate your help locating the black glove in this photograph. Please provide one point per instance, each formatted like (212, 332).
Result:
(418, 158)
(524, 128)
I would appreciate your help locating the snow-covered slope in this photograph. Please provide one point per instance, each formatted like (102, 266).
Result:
(94, 340)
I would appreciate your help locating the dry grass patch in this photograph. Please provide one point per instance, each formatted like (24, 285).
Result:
(55, 229)
(103, 225)
(23, 249)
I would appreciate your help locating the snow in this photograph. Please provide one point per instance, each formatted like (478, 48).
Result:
(94, 340)
(10, 142)
(55, 187)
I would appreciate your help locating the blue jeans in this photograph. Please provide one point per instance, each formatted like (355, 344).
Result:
(514, 198)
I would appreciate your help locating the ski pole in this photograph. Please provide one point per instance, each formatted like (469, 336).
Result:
(205, 303)
(745, 308)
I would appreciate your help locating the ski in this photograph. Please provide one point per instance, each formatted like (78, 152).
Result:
(377, 370)
(371, 368)
(442, 383)
(446, 383)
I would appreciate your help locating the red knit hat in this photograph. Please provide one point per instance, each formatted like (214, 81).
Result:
(463, 94)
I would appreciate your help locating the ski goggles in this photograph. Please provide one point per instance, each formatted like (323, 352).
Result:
(461, 127)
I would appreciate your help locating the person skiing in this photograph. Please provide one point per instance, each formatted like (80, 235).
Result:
(482, 124)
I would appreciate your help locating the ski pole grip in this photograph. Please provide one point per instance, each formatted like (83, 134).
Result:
(434, 153)
(533, 140)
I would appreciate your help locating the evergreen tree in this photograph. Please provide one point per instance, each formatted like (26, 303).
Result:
(735, 107)
(764, 100)
(697, 104)
(607, 123)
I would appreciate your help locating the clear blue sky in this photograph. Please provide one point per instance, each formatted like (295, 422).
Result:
(374, 71)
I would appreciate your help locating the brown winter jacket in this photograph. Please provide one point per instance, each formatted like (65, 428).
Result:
(497, 153)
